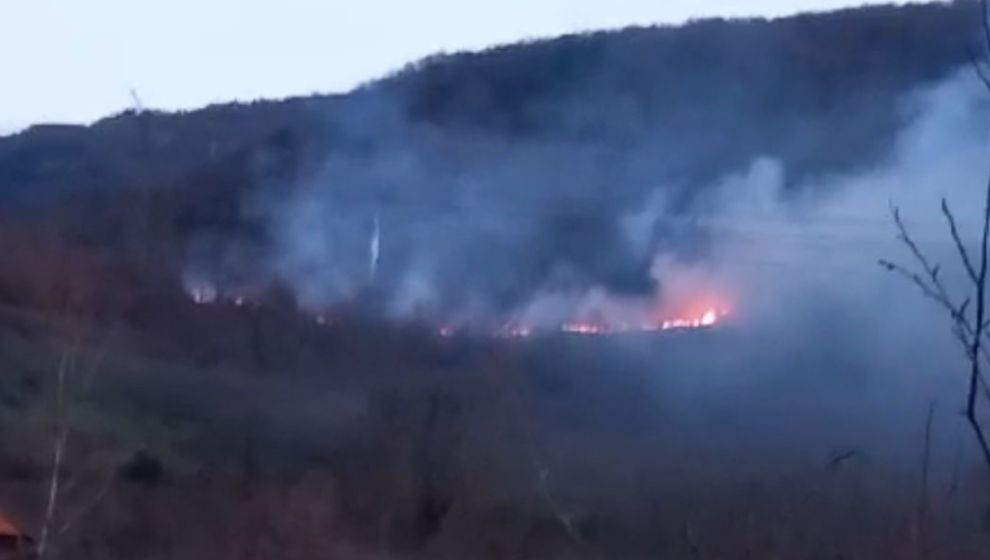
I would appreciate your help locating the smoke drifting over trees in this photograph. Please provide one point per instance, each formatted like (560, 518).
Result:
(749, 164)
(590, 174)
(499, 175)
(563, 170)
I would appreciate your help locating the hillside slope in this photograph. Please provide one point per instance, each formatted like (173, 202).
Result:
(531, 155)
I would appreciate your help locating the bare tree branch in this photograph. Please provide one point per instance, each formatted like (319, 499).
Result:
(932, 287)
(970, 335)
(68, 365)
(963, 254)
(83, 510)
(58, 452)
(962, 330)
(934, 290)
(975, 375)
(930, 291)
(904, 237)
(566, 520)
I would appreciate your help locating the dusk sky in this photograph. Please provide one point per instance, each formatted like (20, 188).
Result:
(76, 61)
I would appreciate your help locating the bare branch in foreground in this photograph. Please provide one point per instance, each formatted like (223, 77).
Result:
(963, 253)
(970, 335)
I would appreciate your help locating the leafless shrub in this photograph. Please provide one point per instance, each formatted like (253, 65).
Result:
(969, 326)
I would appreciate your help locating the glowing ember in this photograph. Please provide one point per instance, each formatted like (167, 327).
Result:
(603, 316)
(709, 318)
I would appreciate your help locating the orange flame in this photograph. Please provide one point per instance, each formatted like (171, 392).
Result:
(707, 318)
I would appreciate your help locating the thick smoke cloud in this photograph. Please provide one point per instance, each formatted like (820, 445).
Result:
(468, 224)
(823, 336)
(479, 229)
(825, 350)
(826, 236)
(472, 226)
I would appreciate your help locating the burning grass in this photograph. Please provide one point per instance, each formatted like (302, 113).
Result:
(242, 427)
(592, 315)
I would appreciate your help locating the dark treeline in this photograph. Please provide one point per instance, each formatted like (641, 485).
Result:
(817, 91)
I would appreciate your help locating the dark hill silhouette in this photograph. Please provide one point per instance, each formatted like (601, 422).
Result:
(576, 130)
(761, 84)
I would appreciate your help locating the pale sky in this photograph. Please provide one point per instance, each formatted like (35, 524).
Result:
(77, 60)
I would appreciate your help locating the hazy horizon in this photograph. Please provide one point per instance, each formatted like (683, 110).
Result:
(184, 55)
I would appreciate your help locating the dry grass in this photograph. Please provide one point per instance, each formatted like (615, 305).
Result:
(253, 433)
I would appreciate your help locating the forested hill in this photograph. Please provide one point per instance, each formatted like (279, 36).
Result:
(815, 89)
(633, 108)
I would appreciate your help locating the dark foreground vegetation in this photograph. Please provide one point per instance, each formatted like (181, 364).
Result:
(226, 431)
